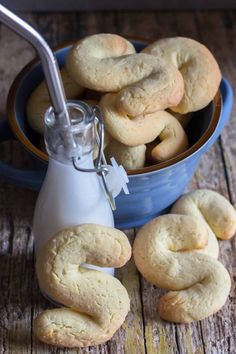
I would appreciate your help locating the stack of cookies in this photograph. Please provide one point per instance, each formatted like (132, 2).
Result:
(146, 98)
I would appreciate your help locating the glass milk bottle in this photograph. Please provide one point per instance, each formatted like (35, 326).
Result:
(70, 196)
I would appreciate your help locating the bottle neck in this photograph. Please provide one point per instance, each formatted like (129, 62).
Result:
(64, 142)
(86, 161)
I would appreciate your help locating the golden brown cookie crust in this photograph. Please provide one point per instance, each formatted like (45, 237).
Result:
(198, 67)
(96, 303)
(172, 252)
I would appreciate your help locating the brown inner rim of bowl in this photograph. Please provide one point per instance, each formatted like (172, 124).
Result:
(44, 157)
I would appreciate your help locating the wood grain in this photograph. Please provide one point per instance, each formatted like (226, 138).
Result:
(143, 332)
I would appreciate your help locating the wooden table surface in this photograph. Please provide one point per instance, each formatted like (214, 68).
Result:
(143, 331)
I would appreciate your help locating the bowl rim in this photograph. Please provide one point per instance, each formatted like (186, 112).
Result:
(29, 146)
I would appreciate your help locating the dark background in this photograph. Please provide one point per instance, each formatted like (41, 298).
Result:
(93, 5)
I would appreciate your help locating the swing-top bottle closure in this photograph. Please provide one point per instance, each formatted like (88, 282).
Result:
(70, 126)
(72, 143)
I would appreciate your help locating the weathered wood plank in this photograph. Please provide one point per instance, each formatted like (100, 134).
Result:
(5, 266)
(225, 33)
(219, 331)
(16, 269)
(16, 214)
(160, 337)
(132, 331)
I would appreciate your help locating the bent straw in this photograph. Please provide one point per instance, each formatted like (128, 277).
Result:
(49, 62)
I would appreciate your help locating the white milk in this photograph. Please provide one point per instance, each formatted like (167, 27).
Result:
(67, 198)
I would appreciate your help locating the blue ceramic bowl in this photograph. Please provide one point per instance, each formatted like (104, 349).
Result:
(152, 189)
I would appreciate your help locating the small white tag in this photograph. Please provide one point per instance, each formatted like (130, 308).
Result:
(116, 178)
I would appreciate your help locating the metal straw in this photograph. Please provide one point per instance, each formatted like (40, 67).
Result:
(49, 62)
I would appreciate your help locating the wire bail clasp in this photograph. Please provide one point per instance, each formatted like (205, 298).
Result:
(100, 164)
